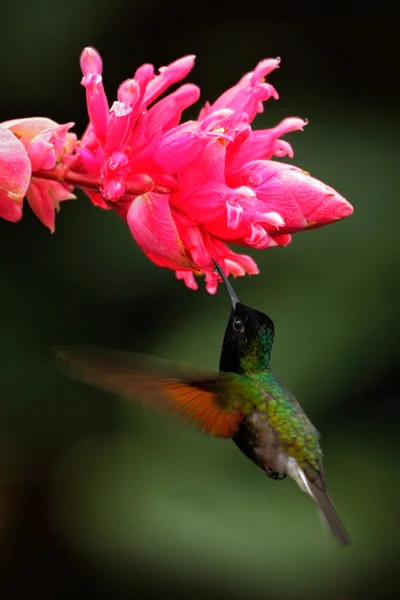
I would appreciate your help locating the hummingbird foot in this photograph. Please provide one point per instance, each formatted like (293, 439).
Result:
(274, 474)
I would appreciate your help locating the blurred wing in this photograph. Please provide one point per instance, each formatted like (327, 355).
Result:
(194, 393)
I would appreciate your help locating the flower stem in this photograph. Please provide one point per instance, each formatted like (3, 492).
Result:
(64, 176)
(139, 184)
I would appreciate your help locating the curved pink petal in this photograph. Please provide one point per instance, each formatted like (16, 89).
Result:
(91, 160)
(9, 209)
(207, 205)
(44, 198)
(129, 92)
(166, 113)
(263, 144)
(231, 263)
(41, 202)
(96, 99)
(192, 237)
(90, 61)
(302, 201)
(45, 140)
(174, 72)
(234, 215)
(188, 278)
(47, 147)
(61, 192)
(150, 220)
(249, 93)
(27, 128)
(162, 261)
(181, 146)
(280, 240)
(15, 174)
(208, 170)
(184, 145)
(118, 126)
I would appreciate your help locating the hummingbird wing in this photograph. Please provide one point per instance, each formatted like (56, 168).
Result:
(202, 396)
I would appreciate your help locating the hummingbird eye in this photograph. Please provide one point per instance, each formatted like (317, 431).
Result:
(238, 325)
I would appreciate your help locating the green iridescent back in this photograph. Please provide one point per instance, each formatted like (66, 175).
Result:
(296, 434)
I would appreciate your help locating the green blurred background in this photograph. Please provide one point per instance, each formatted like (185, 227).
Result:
(112, 501)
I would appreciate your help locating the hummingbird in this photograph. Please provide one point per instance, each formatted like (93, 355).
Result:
(243, 400)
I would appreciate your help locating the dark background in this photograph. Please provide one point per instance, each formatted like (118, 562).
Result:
(103, 500)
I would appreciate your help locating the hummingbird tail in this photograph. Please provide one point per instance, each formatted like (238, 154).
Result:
(329, 514)
(325, 505)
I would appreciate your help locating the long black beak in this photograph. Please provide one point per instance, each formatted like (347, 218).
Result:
(229, 288)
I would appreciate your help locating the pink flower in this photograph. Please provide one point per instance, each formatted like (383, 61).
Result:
(43, 144)
(202, 182)
(184, 189)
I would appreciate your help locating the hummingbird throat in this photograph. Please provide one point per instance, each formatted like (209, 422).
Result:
(258, 358)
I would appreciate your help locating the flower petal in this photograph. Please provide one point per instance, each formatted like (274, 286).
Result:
(44, 198)
(249, 93)
(166, 113)
(302, 201)
(151, 223)
(265, 143)
(96, 98)
(15, 174)
(174, 72)
(45, 140)
(188, 278)
(48, 146)
(26, 129)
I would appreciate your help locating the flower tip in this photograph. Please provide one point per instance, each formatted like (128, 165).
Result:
(346, 209)
(340, 207)
(212, 287)
(182, 66)
(10, 211)
(15, 197)
(186, 61)
(128, 92)
(265, 66)
(90, 61)
(188, 278)
(189, 58)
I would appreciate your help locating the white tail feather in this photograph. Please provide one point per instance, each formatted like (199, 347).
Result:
(298, 475)
(328, 513)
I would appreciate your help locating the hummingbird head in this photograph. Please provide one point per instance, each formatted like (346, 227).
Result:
(248, 338)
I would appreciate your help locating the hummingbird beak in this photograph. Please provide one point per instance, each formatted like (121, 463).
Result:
(229, 288)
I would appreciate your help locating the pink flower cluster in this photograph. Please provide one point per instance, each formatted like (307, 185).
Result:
(28, 146)
(185, 190)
